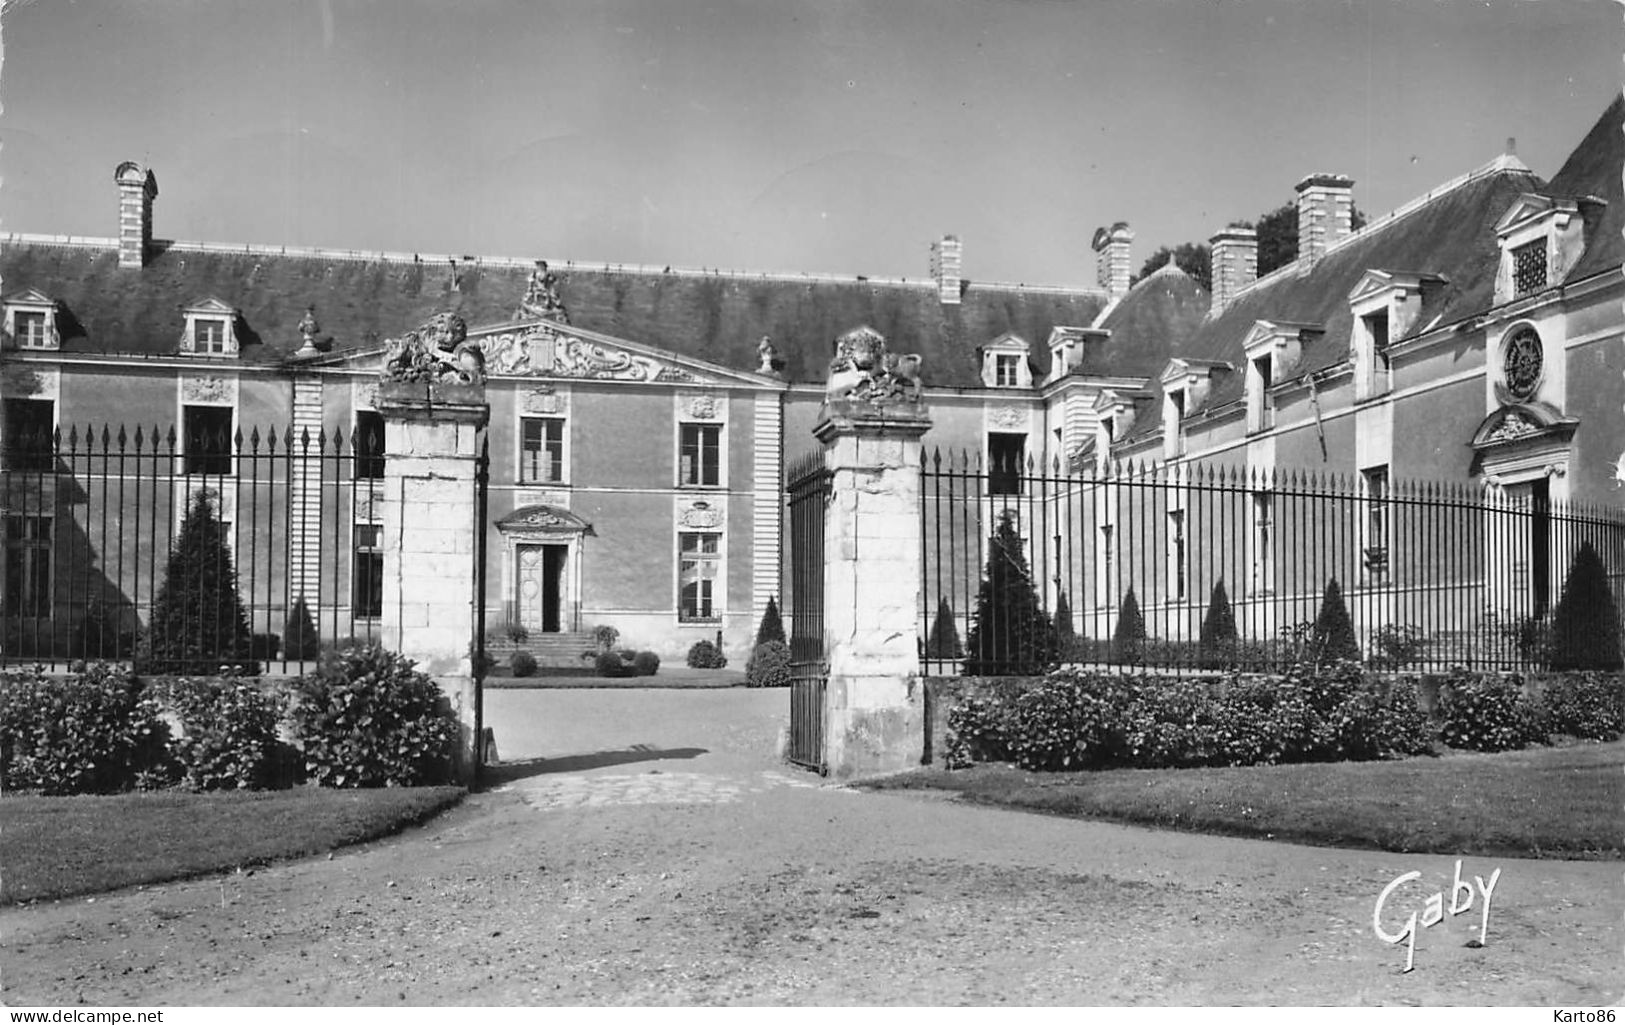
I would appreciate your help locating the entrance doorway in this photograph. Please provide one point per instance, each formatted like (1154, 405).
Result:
(541, 586)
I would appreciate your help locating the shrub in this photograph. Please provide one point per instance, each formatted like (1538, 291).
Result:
(91, 733)
(1128, 640)
(772, 626)
(197, 622)
(975, 733)
(1585, 624)
(646, 663)
(1590, 706)
(367, 718)
(522, 663)
(1218, 634)
(518, 633)
(100, 633)
(943, 641)
(1332, 639)
(229, 732)
(1486, 714)
(705, 655)
(610, 663)
(1065, 631)
(264, 647)
(304, 644)
(1010, 633)
(605, 637)
(1395, 647)
(769, 665)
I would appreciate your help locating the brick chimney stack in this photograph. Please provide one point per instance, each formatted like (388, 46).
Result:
(1235, 265)
(1325, 215)
(946, 267)
(137, 188)
(1113, 262)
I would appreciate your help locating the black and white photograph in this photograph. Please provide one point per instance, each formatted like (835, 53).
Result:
(805, 503)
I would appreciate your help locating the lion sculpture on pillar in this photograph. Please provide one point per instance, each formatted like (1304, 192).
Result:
(439, 352)
(864, 372)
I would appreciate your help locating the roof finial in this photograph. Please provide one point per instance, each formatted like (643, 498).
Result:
(308, 328)
(1512, 146)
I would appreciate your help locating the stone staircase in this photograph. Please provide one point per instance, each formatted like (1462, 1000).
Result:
(555, 653)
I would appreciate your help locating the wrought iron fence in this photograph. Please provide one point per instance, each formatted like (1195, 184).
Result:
(1135, 565)
(807, 489)
(93, 544)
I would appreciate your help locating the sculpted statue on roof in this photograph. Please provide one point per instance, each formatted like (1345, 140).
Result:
(438, 352)
(542, 297)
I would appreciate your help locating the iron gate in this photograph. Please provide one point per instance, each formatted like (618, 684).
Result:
(807, 489)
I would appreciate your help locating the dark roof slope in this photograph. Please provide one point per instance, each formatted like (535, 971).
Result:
(1451, 234)
(1593, 169)
(360, 301)
(1149, 324)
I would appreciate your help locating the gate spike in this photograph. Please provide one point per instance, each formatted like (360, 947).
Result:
(73, 437)
(304, 439)
(238, 439)
(936, 458)
(123, 439)
(254, 440)
(138, 439)
(107, 439)
(1055, 465)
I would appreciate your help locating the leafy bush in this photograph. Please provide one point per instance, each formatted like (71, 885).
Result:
(646, 663)
(518, 633)
(1590, 706)
(1585, 624)
(1128, 639)
(942, 643)
(1010, 633)
(704, 655)
(1218, 634)
(229, 732)
(772, 625)
(975, 733)
(91, 733)
(1486, 714)
(769, 665)
(1332, 639)
(366, 718)
(610, 663)
(197, 624)
(522, 663)
(1395, 647)
(605, 637)
(304, 644)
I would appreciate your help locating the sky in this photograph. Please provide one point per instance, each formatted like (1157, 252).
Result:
(772, 135)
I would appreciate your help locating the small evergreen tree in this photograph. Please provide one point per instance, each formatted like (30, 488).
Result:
(771, 627)
(198, 623)
(1218, 636)
(1333, 637)
(1128, 640)
(1585, 624)
(1011, 634)
(943, 642)
(1065, 633)
(300, 640)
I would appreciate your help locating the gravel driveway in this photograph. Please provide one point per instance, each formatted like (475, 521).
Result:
(645, 847)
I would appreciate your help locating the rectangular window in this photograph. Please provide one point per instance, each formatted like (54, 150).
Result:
(698, 562)
(1529, 268)
(1263, 526)
(1260, 402)
(207, 437)
(28, 566)
(1176, 554)
(208, 335)
(28, 440)
(1376, 518)
(367, 573)
(1006, 454)
(1007, 371)
(541, 450)
(368, 445)
(1173, 428)
(1377, 363)
(30, 329)
(700, 455)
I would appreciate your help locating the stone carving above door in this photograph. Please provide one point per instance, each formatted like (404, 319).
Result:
(218, 390)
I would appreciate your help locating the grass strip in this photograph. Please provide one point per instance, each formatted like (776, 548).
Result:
(1550, 802)
(64, 846)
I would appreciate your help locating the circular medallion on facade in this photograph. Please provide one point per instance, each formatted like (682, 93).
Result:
(1522, 363)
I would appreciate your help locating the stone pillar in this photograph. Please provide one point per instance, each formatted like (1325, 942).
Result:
(874, 702)
(430, 539)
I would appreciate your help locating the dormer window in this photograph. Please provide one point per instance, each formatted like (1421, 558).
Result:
(1274, 351)
(211, 329)
(1260, 402)
(1173, 431)
(1541, 239)
(1186, 385)
(1371, 356)
(31, 321)
(1386, 308)
(1004, 363)
(1007, 370)
(1529, 268)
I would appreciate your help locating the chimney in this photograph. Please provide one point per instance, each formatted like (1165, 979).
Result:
(137, 189)
(945, 267)
(1113, 265)
(1235, 265)
(1325, 215)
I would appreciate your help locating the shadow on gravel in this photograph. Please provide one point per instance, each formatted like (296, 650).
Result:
(508, 772)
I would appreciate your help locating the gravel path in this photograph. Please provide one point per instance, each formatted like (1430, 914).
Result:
(646, 848)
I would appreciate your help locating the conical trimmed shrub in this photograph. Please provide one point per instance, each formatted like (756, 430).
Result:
(198, 624)
(1585, 624)
(300, 639)
(1065, 632)
(1333, 638)
(942, 643)
(772, 626)
(1218, 636)
(1128, 640)
(1011, 634)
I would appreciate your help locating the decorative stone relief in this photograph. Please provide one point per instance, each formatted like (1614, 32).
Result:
(701, 518)
(437, 352)
(864, 372)
(18, 380)
(542, 519)
(539, 400)
(767, 357)
(365, 394)
(218, 390)
(519, 352)
(542, 297)
(369, 506)
(1007, 416)
(1513, 426)
(577, 357)
(704, 407)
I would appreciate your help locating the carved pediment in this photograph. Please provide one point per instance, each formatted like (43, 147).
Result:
(1529, 207)
(211, 306)
(543, 519)
(1522, 421)
(30, 297)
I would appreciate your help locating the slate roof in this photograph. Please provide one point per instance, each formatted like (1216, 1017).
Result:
(1593, 169)
(1148, 325)
(361, 299)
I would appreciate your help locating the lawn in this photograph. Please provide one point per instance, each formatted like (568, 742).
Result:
(62, 846)
(1558, 802)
